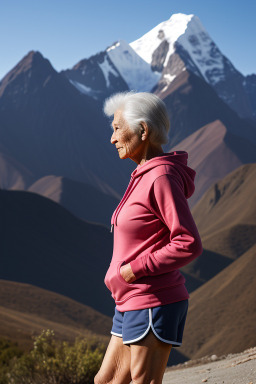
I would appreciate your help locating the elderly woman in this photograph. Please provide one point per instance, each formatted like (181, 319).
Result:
(154, 235)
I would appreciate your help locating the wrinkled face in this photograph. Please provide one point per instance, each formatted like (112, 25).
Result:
(127, 142)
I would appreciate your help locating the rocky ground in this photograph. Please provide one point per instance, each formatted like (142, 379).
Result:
(237, 368)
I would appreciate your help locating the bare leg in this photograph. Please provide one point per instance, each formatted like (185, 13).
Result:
(115, 368)
(149, 358)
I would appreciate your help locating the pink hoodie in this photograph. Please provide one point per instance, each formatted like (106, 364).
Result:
(155, 232)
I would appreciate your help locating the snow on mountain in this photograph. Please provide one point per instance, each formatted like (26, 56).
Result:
(85, 90)
(107, 69)
(187, 31)
(169, 30)
(136, 71)
(96, 76)
(203, 51)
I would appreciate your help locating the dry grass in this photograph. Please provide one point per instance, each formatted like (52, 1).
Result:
(26, 310)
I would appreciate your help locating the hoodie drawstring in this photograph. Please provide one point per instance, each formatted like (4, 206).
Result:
(128, 191)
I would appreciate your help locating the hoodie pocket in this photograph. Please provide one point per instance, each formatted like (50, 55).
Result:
(121, 279)
(120, 289)
(141, 283)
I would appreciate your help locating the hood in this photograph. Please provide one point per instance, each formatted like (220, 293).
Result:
(178, 160)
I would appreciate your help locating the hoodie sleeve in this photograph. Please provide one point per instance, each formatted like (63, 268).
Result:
(169, 203)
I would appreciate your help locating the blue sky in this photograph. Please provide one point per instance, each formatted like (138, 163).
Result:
(66, 31)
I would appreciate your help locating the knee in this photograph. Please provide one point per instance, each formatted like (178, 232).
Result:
(99, 380)
(136, 381)
(102, 378)
(138, 377)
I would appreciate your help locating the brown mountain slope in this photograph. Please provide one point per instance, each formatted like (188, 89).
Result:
(234, 195)
(222, 313)
(13, 175)
(214, 152)
(226, 220)
(22, 327)
(83, 200)
(26, 310)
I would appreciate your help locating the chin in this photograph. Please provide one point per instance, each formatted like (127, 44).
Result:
(123, 156)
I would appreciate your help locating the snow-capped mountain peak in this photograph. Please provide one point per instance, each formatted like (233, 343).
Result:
(169, 30)
(154, 62)
(182, 33)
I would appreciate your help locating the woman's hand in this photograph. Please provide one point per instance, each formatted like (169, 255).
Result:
(127, 273)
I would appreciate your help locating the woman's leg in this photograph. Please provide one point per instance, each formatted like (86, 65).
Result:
(149, 358)
(115, 368)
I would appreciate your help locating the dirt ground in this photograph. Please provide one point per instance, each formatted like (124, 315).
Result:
(237, 368)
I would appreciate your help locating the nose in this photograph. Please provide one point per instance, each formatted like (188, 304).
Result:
(113, 138)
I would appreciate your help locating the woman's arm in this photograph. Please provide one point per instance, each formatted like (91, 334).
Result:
(170, 205)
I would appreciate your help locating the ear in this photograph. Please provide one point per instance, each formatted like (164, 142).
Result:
(144, 131)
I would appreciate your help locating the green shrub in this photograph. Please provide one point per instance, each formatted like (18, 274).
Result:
(55, 362)
(8, 350)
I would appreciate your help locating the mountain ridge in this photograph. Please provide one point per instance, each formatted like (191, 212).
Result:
(26, 310)
(185, 36)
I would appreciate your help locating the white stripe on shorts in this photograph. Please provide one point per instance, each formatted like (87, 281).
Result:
(155, 333)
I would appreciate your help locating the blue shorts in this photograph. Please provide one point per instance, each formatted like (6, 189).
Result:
(166, 321)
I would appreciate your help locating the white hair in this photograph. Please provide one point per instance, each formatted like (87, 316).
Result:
(140, 107)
